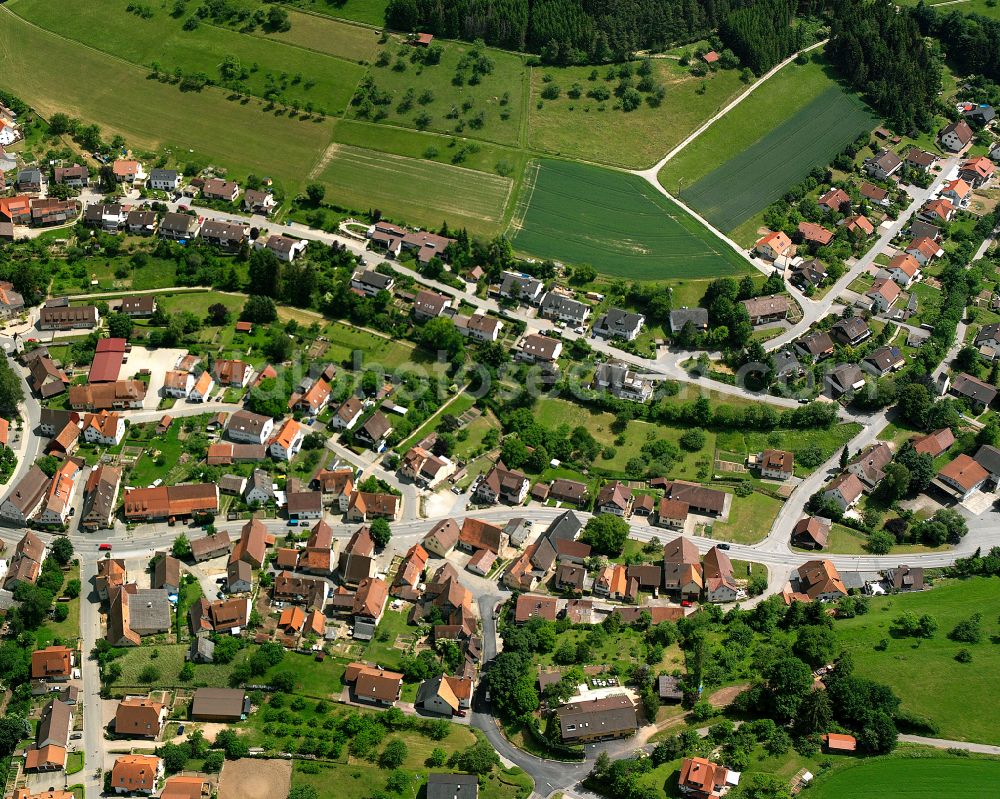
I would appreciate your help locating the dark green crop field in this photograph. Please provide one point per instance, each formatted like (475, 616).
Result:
(616, 222)
(904, 778)
(747, 183)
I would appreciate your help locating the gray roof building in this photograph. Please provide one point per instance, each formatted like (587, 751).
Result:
(452, 786)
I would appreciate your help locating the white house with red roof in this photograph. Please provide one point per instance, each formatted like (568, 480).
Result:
(774, 245)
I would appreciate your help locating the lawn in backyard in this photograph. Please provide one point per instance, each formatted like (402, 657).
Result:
(66, 631)
(77, 279)
(419, 191)
(749, 182)
(198, 126)
(750, 519)
(432, 97)
(911, 778)
(615, 221)
(924, 673)
(344, 340)
(601, 131)
(828, 441)
(293, 74)
(395, 632)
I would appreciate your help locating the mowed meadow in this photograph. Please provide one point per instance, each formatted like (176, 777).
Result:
(55, 74)
(615, 221)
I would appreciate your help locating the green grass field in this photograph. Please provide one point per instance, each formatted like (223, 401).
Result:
(761, 173)
(911, 778)
(598, 131)
(370, 12)
(924, 673)
(328, 36)
(615, 221)
(326, 82)
(420, 192)
(98, 88)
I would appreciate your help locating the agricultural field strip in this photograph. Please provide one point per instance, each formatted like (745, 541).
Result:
(749, 182)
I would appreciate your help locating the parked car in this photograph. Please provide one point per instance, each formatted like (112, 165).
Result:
(686, 603)
(723, 546)
(104, 548)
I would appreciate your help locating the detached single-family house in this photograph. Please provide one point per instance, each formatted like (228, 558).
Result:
(565, 309)
(883, 360)
(219, 189)
(851, 331)
(924, 250)
(616, 323)
(844, 490)
(774, 245)
(978, 394)
(883, 165)
(883, 294)
(763, 310)
(957, 191)
(977, 171)
(810, 533)
(834, 201)
(777, 464)
(956, 136)
(820, 580)
(940, 210)
(164, 179)
(962, 477)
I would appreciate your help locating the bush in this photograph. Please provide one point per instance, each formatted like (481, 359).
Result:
(693, 439)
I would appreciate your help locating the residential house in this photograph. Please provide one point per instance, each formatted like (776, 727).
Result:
(375, 431)
(883, 361)
(357, 560)
(533, 606)
(239, 577)
(522, 288)
(622, 382)
(851, 331)
(834, 200)
(616, 323)
(141, 222)
(870, 464)
(479, 327)
(430, 304)
(25, 565)
(858, 226)
(100, 496)
(702, 779)
(178, 227)
(957, 192)
(234, 374)
(939, 210)
(52, 664)
(373, 685)
(437, 695)
(844, 490)
(285, 248)
(672, 513)
(720, 584)
(167, 574)
(227, 235)
(21, 504)
(810, 532)
(259, 202)
(210, 546)
(128, 171)
(975, 392)
(818, 345)
(697, 317)
(565, 309)
(336, 486)
(347, 414)
(178, 384)
(920, 159)
(538, 348)
(59, 498)
(568, 491)
(106, 428)
(883, 165)
(570, 577)
(934, 443)
(140, 717)
(774, 246)
(904, 268)
(68, 317)
(310, 592)
(164, 179)
(287, 440)
(501, 484)
(364, 506)
(977, 171)
(314, 399)
(777, 464)
(956, 136)
(219, 189)
(883, 294)
(906, 578)
(451, 786)
(682, 570)
(615, 498)
(873, 193)
(819, 580)
(845, 377)
(369, 282)
(118, 395)
(962, 477)
(924, 250)
(989, 458)
(700, 499)
(763, 310)
(29, 180)
(815, 234)
(442, 538)
(601, 719)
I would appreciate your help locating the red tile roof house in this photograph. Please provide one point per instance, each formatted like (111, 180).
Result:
(774, 245)
(956, 135)
(136, 774)
(934, 443)
(961, 478)
(777, 464)
(844, 490)
(883, 294)
(373, 685)
(815, 234)
(977, 171)
(834, 200)
(810, 533)
(140, 717)
(924, 250)
(218, 189)
(703, 779)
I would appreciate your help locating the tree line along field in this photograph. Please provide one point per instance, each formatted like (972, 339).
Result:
(615, 221)
(924, 672)
(324, 81)
(762, 173)
(98, 88)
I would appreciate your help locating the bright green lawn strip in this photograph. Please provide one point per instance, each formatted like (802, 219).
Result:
(198, 302)
(386, 653)
(902, 778)
(829, 440)
(329, 36)
(924, 673)
(777, 99)
(750, 519)
(602, 132)
(749, 182)
(422, 192)
(108, 27)
(579, 213)
(499, 93)
(460, 405)
(75, 79)
(847, 541)
(69, 630)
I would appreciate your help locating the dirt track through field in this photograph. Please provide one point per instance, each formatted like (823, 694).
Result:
(250, 778)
